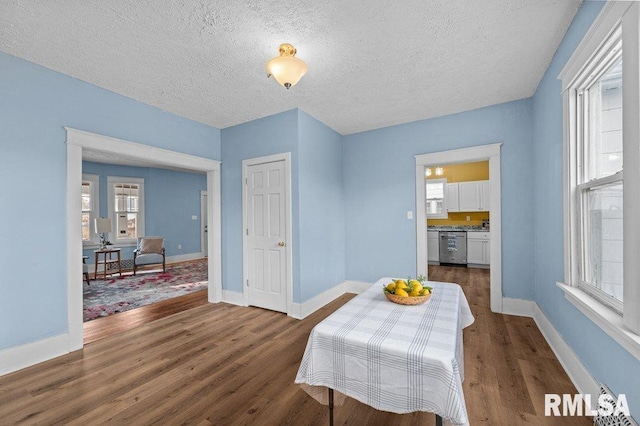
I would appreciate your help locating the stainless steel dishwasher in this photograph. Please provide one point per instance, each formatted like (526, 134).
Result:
(453, 247)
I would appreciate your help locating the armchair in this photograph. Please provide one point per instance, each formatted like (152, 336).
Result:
(150, 251)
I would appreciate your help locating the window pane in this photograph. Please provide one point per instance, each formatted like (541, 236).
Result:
(132, 224)
(435, 191)
(86, 227)
(604, 237)
(604, 128)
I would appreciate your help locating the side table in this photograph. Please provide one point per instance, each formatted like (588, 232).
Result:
(108, 261)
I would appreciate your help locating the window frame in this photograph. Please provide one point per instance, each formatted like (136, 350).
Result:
(94, 181)
(605, 57)
(594, 47)
(140, 219)
(445, 213)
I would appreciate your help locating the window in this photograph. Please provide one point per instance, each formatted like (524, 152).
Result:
(90, 207)
(602, 137)
(126, 208)
(599, 177)
(436, 203)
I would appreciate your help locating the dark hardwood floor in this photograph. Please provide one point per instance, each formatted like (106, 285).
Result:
(100, 328)
(228, 365)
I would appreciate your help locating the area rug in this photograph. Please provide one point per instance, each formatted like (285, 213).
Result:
(119, 294)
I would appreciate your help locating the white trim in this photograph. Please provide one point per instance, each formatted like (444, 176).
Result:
(604, 317)
(575, 369)
(304, 309)
(203, 221)
(476, 153)
(74, 247)
(631, 154)
(233, 297)
(286, 157)
(169, 259)
(356, 287)
(519, 307)
(606, 21)
(77, 140)
(96, 142)
(19, 357)
(94, 180)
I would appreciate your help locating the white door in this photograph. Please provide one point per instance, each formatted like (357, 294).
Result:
(266, 236)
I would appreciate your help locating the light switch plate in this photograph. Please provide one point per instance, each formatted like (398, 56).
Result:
(410, 214)
(194, 217)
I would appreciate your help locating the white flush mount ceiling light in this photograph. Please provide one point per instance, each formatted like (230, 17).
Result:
(286, 68)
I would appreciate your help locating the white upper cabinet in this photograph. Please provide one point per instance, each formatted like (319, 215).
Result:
(473, 196)
(452, 197)
(485, 195)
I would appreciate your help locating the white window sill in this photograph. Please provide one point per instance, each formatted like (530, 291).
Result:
(604, 317)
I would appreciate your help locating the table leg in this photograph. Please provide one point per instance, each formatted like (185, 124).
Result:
(438, 420)
(330, 407)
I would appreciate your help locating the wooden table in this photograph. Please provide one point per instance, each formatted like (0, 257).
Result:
(391, 357)
(108, 261)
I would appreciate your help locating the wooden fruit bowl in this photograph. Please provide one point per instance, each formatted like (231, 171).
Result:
(411, 300)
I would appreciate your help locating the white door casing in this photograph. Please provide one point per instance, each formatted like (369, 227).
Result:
(79, 140)
(464, 155)
(203, 224)
(266, 211)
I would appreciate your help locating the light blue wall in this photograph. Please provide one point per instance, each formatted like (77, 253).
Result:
(275, 134)
(322, 230)
(35, 105)
(379, 173)
(171, 198)
(317, 198)
(607, 361)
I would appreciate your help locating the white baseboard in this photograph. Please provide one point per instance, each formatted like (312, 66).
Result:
(519, 307)
(168, 259)
(19, 357)
(575, 369)
(577, 372)
(304, 309)
(184, 257)
(356, 287)
(233, 297)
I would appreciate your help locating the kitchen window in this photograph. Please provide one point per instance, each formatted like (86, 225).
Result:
(126, 207)
(436, 200)
(602, 174)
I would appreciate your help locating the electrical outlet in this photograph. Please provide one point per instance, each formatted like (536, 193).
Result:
(468, 218)
(194, 217)
(179, 246)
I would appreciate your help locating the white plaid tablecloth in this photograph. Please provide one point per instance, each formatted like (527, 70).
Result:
(392, 357)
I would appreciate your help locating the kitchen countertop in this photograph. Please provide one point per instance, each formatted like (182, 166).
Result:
(470, 228)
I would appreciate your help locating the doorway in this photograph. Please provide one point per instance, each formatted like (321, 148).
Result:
(465, 155)
(267, 266)
(77, 141)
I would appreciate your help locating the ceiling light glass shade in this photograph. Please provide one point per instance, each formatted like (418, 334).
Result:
(428, 172)
(286, 68)
(439, 171)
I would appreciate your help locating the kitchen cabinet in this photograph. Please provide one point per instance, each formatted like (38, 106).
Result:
(474, 196)
(433, 247)
(478, 249)
(452, 201)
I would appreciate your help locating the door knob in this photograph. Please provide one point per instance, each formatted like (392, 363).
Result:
(281, 243)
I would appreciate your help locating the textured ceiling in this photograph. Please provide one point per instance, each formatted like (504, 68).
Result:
(371, 63)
